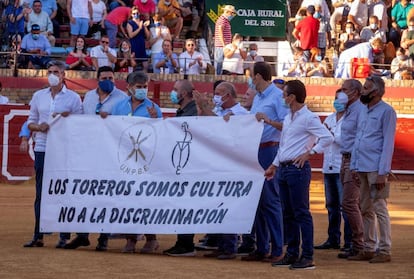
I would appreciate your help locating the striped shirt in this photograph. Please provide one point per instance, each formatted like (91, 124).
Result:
(226, 29)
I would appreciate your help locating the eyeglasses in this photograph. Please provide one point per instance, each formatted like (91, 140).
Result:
(190, 45)
(98, 108)
(105, 42)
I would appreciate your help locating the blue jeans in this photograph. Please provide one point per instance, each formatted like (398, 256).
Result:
(39, 165)
(227, 243)
(218, 59)
(111, 31)
(333, 198)
(294, 191)
(269, 218)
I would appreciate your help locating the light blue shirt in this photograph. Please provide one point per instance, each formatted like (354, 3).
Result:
(28, 43)
(24, 130)
(374, 142)
(91, 101)
(349, 126)
(161, 56)
(43, 106)
(124, 107)
(270, 102)
(48, 6)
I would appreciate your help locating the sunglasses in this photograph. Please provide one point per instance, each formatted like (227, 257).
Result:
(190, 45)
(105, 42)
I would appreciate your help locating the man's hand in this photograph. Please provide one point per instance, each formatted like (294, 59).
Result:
(301, 160)
(261, 116)
(270, 172)
(24, 144)
(43, 127)
(152, 111)
(380, 182)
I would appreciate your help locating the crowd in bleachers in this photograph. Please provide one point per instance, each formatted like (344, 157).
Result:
(126, 35)
(353, 25)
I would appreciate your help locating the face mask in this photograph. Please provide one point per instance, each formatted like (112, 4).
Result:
(402, 57)
(410, 28)
(366, 99)
(253, 53)
(143, 1)
(218, 100)
(348, 30)
(35, 36)
(79, 48)
(141, 93)
(135, 16)
(318, 58)
(157, 24)
(339, 107)
(285, 105)
(376, 51)
(53, 80)
(167, 3)
(373, 26)
(124, 49)
(230, 17)
(298, 17)
(106, 85)
(174, 97)
(250, 83)
(317, 15)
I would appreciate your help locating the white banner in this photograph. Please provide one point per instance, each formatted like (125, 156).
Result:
(140, 175)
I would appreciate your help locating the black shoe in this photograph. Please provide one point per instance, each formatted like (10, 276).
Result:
(34, 243)
(102, 245)
(178, 251)
(254, 257)
(303, 263)
(207, 245)
(77, 242)
(327, 245)
(286, 261)
(61, 244)
(348, 254)
(244, 251)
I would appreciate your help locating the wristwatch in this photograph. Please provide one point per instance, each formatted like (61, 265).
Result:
(312, 151)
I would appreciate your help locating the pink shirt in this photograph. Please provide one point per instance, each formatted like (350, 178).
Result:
(226, 28)
(119, 15)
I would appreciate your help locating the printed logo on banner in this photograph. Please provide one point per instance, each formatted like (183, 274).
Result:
(181, 152)
(136, 149)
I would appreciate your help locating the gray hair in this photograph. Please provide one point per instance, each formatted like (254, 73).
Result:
(229, 87)
(137, 77)
(57, 63)
(378, 83)
(355, 85)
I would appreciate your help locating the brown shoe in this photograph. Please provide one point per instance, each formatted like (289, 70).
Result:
(380, 258)
(273, 259)
(362, 256)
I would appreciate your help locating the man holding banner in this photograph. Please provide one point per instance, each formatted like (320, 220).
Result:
(138, 104)
(53, 101)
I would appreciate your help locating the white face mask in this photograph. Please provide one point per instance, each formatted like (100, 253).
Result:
(348, 30)
(410, 28)
(53, 80)
(217, 100)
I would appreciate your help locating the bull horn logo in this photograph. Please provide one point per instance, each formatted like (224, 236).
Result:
(181, 151)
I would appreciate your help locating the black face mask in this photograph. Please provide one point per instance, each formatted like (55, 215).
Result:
(366, 99)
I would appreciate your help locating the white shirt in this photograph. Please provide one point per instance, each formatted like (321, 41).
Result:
(237, 109)
(359, 11)
(332, 156)
(101, 56)
(380, 10)
(235, 63)
(97, 11)
(80, 9)
(299, 135)
(42, 106)
(185, 59)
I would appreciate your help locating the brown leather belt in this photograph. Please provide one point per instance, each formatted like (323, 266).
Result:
(346, 155)
(269, 144)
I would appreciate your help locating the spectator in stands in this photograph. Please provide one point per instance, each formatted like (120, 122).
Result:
(38, 46)
(171, 15)
(234, 56)
(80, 16)
(222, 35)
(407, 38)
(166, 61)
(306, 32)
(188, 7)
(402, 65)
(113, 4)
(399, 20)
(41, 18)
(138, 32)
(251, 58)
(379, 8)
(301, 14)
(341, 11)
(125, 58)
(317, 66)
(320, 5)
(114, 20)
(373, 30)
(191, 61)
(14, 18)
(361, 50)
(53, 100)
(324, 33)
(358, 14)
(102, 54)
(51, 8)
(79, 58)
(3, 99)
(158, 33)
(297, 67)
(349, 38)
(98, 19)
(146, 8)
